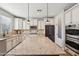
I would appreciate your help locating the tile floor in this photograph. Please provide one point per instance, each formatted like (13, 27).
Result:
(36, 45)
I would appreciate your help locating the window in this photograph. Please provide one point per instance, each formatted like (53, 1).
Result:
(5, 24)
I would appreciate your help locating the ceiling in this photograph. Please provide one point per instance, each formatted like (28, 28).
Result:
(21, 9)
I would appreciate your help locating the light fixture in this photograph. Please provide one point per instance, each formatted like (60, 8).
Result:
(28, 20)
(47, 14)
(39, 10)
(28, 14)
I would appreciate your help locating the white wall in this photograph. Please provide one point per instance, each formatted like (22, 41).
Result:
(60, 41)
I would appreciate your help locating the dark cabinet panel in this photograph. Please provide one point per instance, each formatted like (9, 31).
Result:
(50, 32)
(72, 31)
(73, 44)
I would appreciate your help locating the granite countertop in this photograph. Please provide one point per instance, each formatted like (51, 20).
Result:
(7, 37)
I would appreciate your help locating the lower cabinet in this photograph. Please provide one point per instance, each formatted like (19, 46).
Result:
(9, 43)
(19, 38)
(14, 43)
(2, 47)
(17, 41)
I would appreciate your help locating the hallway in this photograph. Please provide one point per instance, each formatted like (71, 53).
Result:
(35, 44)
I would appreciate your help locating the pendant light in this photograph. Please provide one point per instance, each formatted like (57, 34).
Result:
(28, 14)
(47, 14)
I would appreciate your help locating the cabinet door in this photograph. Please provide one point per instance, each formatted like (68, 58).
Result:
(15, 41)
(23, 36)
(75, 15)
(68, 18)
(8, 45)
(2, 47)
(19, 38)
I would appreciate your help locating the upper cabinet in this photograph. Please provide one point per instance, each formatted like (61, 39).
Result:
(75, 15)
(68, 18)
(72, 16)
(18, 23)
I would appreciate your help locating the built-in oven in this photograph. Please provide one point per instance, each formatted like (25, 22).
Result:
(72, 39)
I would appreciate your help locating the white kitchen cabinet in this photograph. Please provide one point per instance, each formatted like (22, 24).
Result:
(68, 18)
(19, 38)
(2, 47)
(41, 24)
(14, 42)
(75, 15)
(33, 22)
(18, 23)
(8, 45)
